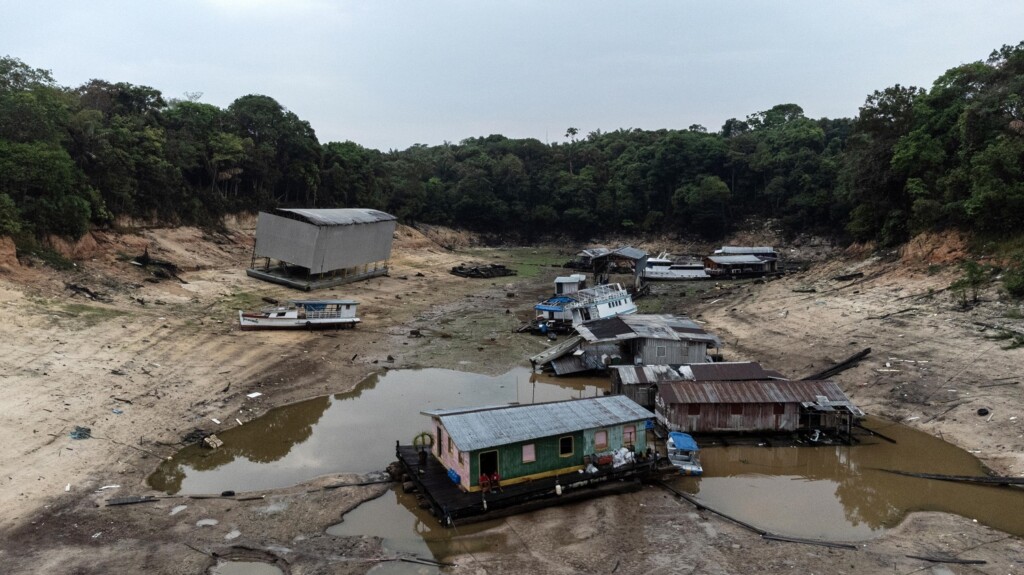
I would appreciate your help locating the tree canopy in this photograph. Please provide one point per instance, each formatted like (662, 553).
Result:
(912, 160)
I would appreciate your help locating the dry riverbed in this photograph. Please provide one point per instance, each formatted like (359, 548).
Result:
(146, 362)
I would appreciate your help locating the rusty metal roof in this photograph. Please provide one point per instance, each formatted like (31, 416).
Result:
(750, 391)
(645, 374)
(478, 428)
(727, 371)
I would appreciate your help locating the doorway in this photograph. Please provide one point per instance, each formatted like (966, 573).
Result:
(488, 462)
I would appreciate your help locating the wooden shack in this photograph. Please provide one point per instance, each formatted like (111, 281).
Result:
(754, 406)
(637, 339)
(639, 382)
(528, 442)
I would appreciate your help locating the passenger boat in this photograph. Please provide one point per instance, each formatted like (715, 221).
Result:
(601, 302)
(302, 314)
(682, 452)
(663, 268)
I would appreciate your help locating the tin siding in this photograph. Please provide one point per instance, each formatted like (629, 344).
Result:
(342, 247)
(285, 239)
(676, 352)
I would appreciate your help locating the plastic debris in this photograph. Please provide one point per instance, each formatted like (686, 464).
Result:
(80, 432)
(253, 395)
(206, 522)
(116, 411)
(215, 420)
(178, 509)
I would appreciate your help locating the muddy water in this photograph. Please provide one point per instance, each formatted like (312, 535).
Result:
(829, 492)
(842, 493)
(352, 432)
(407, 530)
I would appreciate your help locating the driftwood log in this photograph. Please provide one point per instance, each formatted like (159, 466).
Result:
(839, 367)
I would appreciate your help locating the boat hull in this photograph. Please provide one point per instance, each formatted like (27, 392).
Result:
(256, 322)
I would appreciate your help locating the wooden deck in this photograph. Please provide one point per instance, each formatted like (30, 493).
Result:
(451, 505)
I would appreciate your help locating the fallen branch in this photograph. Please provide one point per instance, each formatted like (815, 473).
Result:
(904, 310)
(839, 367)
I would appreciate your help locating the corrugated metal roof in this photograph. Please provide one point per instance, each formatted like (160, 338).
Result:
(645, 374)
(736, 259)
(750, 391)
(727, 371)
(668, 327)
(631, 253)
(571, 279)
(594, 252)
(491, 427)
(556, 351)
(336, 217)
(324, 301)
(738, 250)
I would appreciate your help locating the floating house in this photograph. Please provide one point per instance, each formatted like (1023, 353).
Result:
(639, 382)
(527, 442)
(624, 260)
(741, 261)
(570, 284)
(754, 406)
(664, 268)
(313, 248)
(637, 339)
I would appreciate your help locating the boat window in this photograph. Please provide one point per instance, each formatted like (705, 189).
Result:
(565, 446)
(529, 453)
(629, 435)
(601, 440)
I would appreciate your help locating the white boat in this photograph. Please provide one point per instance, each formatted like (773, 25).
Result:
(682, 452)
(302, 314)
(601, 302)
(663, 268)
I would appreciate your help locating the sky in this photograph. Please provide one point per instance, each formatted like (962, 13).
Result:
(389, 74)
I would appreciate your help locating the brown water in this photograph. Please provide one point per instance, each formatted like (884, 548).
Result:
(829, 492)
(841, 493)
(352, 432)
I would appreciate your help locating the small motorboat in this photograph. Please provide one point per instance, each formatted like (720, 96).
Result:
(683, 453)
(302, 314)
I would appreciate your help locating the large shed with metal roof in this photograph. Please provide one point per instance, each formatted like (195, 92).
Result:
(316, 248)
(754, 406)
(526, 442)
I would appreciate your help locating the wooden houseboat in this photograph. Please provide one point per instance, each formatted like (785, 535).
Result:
(763, 406)
(302, 314)
(741, 262)
(486, 458)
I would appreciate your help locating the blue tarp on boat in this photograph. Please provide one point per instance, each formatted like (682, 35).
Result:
(683, 441)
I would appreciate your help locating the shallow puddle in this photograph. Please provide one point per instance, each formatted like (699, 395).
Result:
(408, 531)
(841, 493)
(352, 432)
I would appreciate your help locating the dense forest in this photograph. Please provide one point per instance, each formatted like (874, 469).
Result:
(912, 160)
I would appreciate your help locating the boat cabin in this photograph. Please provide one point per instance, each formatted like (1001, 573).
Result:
(526, 442)
(603, 301)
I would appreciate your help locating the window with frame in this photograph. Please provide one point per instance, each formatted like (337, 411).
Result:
(460, 456)
(565, 446)
(601, 440)
(449, 444)
(660, 351)
(529, 453)
(737, 409)
(693, 409)
(629, 435)
(779, 409)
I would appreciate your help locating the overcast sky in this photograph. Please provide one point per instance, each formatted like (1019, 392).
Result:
(389, 74)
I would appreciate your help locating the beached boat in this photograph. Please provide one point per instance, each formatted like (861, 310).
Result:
(682, 452)
(663, 268)
(302, 314)
(600, 302)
